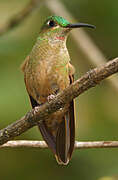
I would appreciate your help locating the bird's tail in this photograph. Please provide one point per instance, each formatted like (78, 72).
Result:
(63, 145)
(65, 138)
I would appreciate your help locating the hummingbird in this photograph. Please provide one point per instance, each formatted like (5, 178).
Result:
(48, 71)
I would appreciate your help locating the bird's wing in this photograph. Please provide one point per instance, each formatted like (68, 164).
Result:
(48, 137)
(72, 121)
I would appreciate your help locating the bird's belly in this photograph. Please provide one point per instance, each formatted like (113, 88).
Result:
(51, 84)
(44, 82)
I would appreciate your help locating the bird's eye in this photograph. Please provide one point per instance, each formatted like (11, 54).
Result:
(51, 23)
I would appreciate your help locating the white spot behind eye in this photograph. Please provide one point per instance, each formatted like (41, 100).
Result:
(48, 22)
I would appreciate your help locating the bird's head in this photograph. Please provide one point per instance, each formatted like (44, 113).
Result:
(57, 28)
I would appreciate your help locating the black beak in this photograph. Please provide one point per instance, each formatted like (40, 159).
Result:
(78, 25)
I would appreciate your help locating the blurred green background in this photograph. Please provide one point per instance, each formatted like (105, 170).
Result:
(97, 109)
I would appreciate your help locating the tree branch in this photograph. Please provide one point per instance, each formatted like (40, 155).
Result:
(42, 144)
(18, 18)
(89, 80)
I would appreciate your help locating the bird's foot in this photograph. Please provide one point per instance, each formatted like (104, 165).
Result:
(36, 109)
(50, 97)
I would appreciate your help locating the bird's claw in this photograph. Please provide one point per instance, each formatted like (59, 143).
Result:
(36, 109)
(50, 97)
